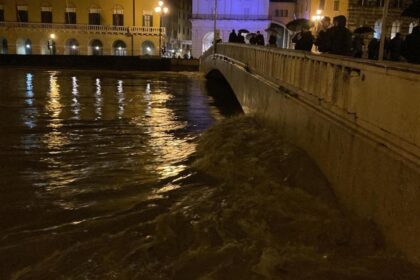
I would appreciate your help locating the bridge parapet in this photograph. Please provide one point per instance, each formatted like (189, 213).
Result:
(383, 98)
(358, 119)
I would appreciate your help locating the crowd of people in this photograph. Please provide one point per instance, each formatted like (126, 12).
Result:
(336, 38)
(254, 38)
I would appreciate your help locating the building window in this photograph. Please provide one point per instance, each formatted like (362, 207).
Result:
(118, 16)
(22, 13)
(321, 4)
(94, 16)
(46, 15)
(336, 5)
(282, 13)
(411, 27)
(70, 16)
(1, 13)
(96, 47)
(396, 25)
(119, 48)
(378, 29)
(147, 20)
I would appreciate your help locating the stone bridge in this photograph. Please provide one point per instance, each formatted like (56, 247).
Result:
(358, 119)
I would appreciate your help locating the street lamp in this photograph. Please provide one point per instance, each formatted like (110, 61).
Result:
(317, 19)
(161, 10)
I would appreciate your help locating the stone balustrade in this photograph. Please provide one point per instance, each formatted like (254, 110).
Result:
(96, 29)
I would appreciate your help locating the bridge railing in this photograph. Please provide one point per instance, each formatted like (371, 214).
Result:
(381, 97)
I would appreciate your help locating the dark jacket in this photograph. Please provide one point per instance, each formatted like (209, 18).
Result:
(322, 41)
(340, 41)
(411, 49)
(373, 49)
(233, 38)
(260, 40)
(303, 41)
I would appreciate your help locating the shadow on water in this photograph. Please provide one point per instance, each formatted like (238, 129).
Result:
(223, 95)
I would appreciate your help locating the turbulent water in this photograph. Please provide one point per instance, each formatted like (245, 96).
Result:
(108, 176)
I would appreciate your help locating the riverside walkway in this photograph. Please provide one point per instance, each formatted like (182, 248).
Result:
(358, 119)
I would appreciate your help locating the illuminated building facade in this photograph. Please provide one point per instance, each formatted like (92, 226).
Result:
(85, 27)
(249, 15)
(178, 27)
(369, 13)
(315, 9)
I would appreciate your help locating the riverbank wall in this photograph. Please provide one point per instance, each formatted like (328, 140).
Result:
(131, 63)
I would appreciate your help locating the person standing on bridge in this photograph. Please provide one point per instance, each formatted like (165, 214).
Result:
(260, 39)
(304, 40)
(233, 38)
(322, 41)
(340, 38)
(411, 49)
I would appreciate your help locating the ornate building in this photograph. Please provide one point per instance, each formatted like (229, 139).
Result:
(369, 13)
(248, 15)
(86, 27)
(178, 27)
(315, 9)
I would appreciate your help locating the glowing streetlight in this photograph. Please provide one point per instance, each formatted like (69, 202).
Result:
(52, 36)
(318, 16)
(161, 10)
(28, 46)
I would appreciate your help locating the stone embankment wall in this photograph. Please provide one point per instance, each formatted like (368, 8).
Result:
(359, 120)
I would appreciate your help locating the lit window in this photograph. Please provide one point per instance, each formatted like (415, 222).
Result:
(396, 25)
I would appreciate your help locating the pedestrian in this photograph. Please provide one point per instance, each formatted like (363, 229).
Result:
(241, 39)
(233, 38)
(340, 38)
(260, 39)
(303, 40)
(358, 46)
(411, 48)
(395, 47)
(253, 39)
(322, 41)
(373, 49)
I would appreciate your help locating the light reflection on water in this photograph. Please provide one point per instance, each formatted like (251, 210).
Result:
(79, 148)
(93, 141)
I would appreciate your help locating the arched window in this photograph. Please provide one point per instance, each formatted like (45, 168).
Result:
(46, 13)
(396, 25)
(411, 26)
(94, 15)
(119, 48)
(147, 48)
(70, 14)
(96, 47)
(72, 47)
(378, 29)
(23, 46)
(118, 16)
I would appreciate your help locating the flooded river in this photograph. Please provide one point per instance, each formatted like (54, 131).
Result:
(107, 175)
